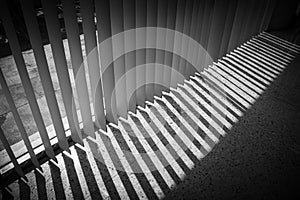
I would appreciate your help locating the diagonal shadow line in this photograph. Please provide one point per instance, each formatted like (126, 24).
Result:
(88, 173)
(214, 103)
(245, 88)
(156, 147)
(241, 72)
(24, 190)
(223, 67)
(250, 67)
(285, 42)
(235, 97)
(234, 58)
(240, 67)
(166, 142)
(270, 46)
(202, 126)
(264, 57)
(217, 95)
(183, 143)
(239, 83)
(260, 64)
(126, 174)
(41, 185)
(107, 179)
(278, 47)
(163, 175)
(57, 181)
(241, 96)
(279, 44)
(145, 164)
(187, 130)
(217, 115)
(268, 52)
(73, 178)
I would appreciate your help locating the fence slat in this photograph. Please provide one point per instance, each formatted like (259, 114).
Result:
(150, 53)
(18, 120)
(193, 34)
(130, 58)
(171, 22)
(89, 30)
(72, 30)
(106, 56)
(177, 42)
(162, 13)
(141, 21)
(217, 30)
(117, 26)
(16, 51)
(228, 27)
(10, 153)
(42, 65)
(61, 67)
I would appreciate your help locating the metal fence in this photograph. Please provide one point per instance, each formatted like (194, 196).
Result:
(130, 48)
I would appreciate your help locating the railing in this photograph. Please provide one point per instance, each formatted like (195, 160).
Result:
(143, 48)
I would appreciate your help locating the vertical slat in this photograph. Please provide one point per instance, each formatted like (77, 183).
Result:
(89, 30)
(268, 15)
(117, 26)
(237, 25)
(42, 65)
(199, 50)
(61, 67)
(72, 30)
(217, 29)
(162, 13)
(185, 40)
(248, 19)
(141, 21)
(171, 22)
(177, 42)
(151, 53)
(106, 56)
(206, 26)
(261, 6)
(129, 23)
(18, 120)
(10, 153)
(193, 34)
(232, 7)
(181, 28)
(16, 51)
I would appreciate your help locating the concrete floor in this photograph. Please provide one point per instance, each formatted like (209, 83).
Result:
(257, 159)
(260, 156)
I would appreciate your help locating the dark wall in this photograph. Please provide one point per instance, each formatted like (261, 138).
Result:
(285, 15)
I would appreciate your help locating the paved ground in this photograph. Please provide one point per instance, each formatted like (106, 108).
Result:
(260, 156)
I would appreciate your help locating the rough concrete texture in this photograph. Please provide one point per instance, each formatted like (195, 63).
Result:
(258, 158)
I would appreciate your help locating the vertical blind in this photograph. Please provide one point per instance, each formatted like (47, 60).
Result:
(134, 50)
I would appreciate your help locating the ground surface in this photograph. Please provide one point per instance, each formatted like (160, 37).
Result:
(260, 156)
